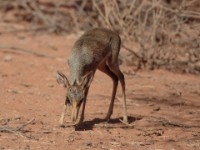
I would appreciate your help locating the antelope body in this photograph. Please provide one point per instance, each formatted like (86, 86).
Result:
(95, 49)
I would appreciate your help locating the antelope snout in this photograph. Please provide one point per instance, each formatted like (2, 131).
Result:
(75, 110)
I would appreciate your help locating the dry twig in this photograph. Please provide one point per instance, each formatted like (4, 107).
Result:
(154, 24)
(176, 124)
(25, 50)
(9, 129)
(106, 125)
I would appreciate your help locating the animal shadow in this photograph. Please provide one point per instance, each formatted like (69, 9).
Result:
(113, 123)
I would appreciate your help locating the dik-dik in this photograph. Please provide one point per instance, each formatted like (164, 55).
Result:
(95, 49)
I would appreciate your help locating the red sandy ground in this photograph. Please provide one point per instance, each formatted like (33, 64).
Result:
(163, 107)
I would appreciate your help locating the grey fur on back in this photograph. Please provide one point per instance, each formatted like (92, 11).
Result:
(95, 49)
(90, 50)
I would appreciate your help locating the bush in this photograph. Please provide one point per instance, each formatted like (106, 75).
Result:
(155, 33)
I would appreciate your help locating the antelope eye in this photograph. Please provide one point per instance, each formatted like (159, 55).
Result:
(70, 93)
(70, 90)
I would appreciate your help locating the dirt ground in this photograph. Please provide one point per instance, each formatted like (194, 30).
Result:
(163, 107)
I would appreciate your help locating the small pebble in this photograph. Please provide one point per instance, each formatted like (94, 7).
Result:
(25, 84)
(156, 108)
(50, 85)
(8, 58)
(17, 118)
(14, 91)
(89, 144)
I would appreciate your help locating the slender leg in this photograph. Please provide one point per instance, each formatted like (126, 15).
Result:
(83, 107)
(64, 110)
(63, 115)
(122, 81)
(114, 67)
(110, 110)
(107, 71)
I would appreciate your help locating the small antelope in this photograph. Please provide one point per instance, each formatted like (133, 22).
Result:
(95, 49)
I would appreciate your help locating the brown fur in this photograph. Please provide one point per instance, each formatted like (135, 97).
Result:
(95, 49)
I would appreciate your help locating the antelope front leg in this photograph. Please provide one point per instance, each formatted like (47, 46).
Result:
(83, 108)
(83, 112)
(63, 115)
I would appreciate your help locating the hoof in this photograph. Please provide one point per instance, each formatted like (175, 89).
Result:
(81, 120)
(125, 120)
(107, 119)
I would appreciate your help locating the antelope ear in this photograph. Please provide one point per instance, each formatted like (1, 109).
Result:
(87, 79)
(62, 79)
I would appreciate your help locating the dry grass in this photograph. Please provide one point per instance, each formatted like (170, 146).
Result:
(166, 32)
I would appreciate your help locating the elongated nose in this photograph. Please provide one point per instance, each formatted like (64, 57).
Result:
(75, 110)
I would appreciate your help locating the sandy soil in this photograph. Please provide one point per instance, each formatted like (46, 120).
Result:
(163, 107)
